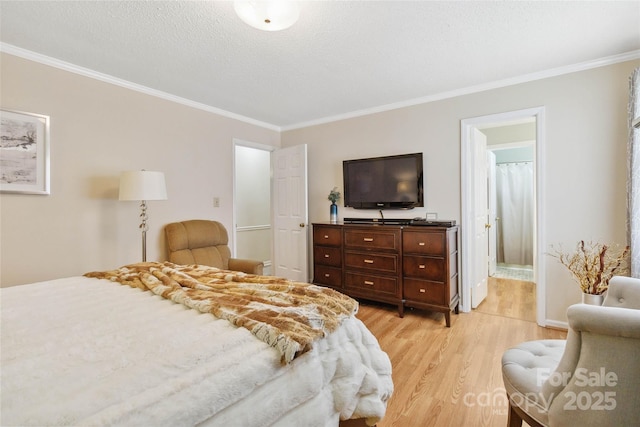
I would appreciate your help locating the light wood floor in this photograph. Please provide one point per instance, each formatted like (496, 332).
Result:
(510, 298)
(447, 376)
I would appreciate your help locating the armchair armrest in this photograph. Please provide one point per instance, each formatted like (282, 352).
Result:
(246, 265)
(601, 320)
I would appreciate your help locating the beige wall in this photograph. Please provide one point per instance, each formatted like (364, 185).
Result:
(99, 130)
(511, 133)
(584, 163)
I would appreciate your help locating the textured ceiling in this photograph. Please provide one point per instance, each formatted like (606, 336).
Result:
(341, 57)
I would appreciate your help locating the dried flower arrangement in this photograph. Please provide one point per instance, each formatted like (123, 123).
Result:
(593, 264)
(334, 195)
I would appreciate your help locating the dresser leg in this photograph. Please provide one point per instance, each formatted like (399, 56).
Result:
(401, 310)
(447, 318)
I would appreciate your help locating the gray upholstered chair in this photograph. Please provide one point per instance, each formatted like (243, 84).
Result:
(205, 242)
(592, 378)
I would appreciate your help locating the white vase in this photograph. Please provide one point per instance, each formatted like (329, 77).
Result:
(592, 299)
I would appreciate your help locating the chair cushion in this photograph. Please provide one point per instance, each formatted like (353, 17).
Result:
(198, 242)
(524, 370)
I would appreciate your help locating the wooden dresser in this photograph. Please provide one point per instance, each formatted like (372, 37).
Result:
(412, 266)
(372, 263)
(327, 255)
(430, 269)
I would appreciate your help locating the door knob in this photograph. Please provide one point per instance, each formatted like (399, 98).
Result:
(487, 226)
(302, 225)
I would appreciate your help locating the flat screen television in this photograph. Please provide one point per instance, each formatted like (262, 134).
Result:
(390, 182)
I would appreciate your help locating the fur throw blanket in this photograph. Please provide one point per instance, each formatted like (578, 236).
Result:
(287, 315)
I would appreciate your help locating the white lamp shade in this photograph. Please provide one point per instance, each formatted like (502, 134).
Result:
(142, 185)
(268, 15)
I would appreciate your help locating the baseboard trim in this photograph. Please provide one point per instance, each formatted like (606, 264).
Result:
(554, 324)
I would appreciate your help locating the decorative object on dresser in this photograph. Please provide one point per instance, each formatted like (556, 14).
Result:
(143, 185)
(334, 196)
(396, 264)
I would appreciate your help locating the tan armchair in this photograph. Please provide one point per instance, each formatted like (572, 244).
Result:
(205, 242)
(592, 378)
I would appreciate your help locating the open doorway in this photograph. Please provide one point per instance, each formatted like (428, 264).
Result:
(270, 215)
(498, 130)
(252, 230)
(511, 291)
(513, 149)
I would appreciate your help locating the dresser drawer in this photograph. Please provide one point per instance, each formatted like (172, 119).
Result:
(375, 262)
(372, 239)
(327, 255)
(371, 283)
(327, 276)
(424, 291)
(424, 242)
(422, 267)
(330, 236)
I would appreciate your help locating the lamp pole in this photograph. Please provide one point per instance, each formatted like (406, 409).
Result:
(144, 228)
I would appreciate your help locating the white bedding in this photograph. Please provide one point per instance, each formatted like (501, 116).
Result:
(82, 351)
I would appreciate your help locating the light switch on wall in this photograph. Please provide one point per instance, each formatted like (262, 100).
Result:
(216, 202)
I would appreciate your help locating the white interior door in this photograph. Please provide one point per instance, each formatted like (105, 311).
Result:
(493, 213)
(480, 217)
(290, 213)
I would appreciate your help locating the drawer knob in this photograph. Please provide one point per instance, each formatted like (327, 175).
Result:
(326, 255)
(368, 239)
(327, 275)
(326, 237)
(368, 261)
(421, 266)
(368, 282)
(421, 244)
(423, 290)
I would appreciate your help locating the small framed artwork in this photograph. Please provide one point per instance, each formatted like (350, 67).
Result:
(24, 152)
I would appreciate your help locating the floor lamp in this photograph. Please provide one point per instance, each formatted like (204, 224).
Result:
(143, 185)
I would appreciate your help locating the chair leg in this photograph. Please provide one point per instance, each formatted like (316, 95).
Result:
(517, 415)
(514, 419)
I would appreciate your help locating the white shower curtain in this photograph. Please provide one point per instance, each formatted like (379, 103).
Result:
(514, 188)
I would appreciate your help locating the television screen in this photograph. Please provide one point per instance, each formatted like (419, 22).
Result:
(391, 182)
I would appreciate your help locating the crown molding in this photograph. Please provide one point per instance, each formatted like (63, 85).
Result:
(583, 66)
(587, 65)
(56, 63)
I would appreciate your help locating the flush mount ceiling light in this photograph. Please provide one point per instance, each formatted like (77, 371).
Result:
(268, 15)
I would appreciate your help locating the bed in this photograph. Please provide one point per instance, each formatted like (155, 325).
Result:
(113, 350)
